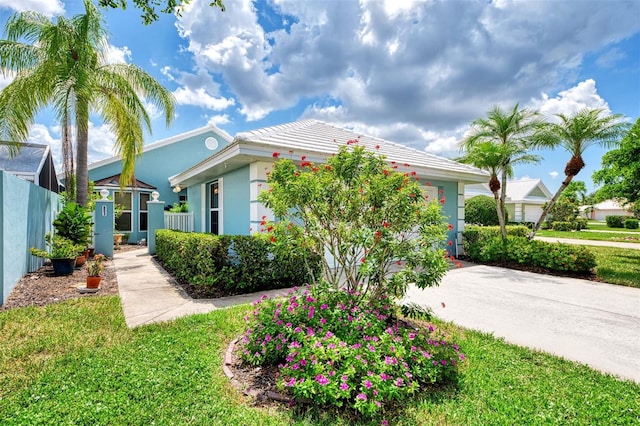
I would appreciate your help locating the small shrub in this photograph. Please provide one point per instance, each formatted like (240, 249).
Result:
(631, 223)
(551, 256)
(581, 223)
(481, 210)
(475, 237)
(563, 226)
(615, 221)
(334, 348)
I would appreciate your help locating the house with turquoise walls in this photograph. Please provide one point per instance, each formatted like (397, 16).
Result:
(223, 189)
(159, 161)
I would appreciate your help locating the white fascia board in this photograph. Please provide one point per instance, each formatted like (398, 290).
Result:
(167, 141)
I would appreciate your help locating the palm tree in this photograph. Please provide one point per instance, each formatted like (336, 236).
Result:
(513, 133)
(492, 158)
(575, 134)
(62, 63)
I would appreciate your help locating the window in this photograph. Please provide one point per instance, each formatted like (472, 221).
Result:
(214, 209)
(123, 203)
(143, 222)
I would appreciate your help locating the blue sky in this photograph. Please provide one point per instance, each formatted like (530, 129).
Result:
(413, 72)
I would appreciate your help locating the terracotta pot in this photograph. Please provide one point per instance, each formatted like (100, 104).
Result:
(81, 260)
(93, 282)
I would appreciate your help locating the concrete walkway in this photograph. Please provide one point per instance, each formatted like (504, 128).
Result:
(593, 323)
(618, 244)
(150, 295)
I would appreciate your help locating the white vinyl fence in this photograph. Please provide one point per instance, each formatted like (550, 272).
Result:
(179, 221)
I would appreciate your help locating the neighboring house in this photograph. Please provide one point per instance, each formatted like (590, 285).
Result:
(158, 162)
(34, 163)
(606, 208)
(223, 189)
(525, 198)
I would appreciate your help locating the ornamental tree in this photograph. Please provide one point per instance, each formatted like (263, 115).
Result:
(374, 221)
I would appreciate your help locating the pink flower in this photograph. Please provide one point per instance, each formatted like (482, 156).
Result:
(344, 386)
(361, 396)
(322, 380)
(368, 384)
(311, 311)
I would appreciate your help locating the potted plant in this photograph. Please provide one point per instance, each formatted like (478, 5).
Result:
(74, 223)
(94, 270)
(62, 252)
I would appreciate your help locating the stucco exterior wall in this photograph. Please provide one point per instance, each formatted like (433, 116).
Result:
(27, 212)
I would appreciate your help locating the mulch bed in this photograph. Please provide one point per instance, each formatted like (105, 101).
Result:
(43, 287)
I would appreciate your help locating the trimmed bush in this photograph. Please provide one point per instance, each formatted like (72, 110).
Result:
(581, 223)
(563, 226)
(233, 264)
(476, 236)
(481, 210)
(550, 256)
(615, 221)
(631, 223)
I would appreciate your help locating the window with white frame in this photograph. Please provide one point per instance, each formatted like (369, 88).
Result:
(123, 202)
(215, 205)
(145, 197)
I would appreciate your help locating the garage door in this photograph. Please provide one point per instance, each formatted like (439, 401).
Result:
(532, 213)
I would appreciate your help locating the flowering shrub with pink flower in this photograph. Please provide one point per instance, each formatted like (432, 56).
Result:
(334, 348)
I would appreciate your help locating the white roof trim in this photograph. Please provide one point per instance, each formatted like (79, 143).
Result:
(168, 141)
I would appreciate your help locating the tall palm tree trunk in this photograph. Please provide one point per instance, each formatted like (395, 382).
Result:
(503, 196)
(550, 204)
(82, 148)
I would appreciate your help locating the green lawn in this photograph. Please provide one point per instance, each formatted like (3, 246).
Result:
(77, 363)
(617, 265)
(596, 236)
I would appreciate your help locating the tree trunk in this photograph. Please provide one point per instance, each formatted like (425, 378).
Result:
(550, 204)
(503, 196)
(82, 148)
(503, 226)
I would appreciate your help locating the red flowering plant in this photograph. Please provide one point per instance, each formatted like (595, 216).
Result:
(366, 216)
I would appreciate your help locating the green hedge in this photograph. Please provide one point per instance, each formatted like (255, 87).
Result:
(615, 221)
(563, 226)
(232, 264)
(631, 223)
(476, 236)
(551, 256)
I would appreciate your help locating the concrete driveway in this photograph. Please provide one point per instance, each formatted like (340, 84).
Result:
(592, 323)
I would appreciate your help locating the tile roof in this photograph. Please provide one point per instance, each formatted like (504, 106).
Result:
(313, 135)
(114, 181)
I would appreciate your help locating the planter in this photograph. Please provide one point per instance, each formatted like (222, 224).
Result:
(93, 282)
(91, 251)
(117, 239)
(63, 266)
(81, 260)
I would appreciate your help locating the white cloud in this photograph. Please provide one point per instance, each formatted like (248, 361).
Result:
(570, 101)
(117, 55)
(46, 7)
(218, 120)
(554, 174)
(429, 64)
(199, 97)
